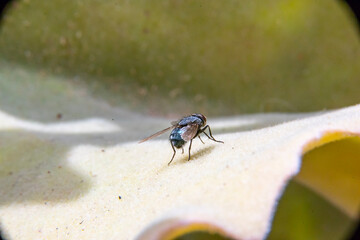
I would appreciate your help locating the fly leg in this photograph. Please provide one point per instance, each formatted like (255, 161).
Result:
(211, 136)
(200, 139)
(173, 154)
(190, 149)
(182, 150)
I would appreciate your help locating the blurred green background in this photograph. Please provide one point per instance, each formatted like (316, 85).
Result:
(175, 57)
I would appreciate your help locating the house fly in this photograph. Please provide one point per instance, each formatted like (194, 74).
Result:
(184, 130)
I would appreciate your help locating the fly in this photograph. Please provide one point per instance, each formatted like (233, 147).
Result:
(184, 130)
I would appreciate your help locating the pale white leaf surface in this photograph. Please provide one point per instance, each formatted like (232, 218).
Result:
(66, 159)
(58, 187)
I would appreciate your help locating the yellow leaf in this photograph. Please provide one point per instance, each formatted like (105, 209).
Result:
(333, 169)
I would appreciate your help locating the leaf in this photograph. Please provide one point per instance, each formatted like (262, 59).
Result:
(84, 175)
(333, 170)
(303, 214)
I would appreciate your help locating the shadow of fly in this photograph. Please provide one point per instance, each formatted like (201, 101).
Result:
(184, 130)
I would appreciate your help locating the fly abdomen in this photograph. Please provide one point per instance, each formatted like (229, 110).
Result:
(176, 139)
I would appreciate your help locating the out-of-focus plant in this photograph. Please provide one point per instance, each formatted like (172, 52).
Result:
(219, 57)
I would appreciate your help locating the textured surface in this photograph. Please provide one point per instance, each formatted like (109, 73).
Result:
(90, 178)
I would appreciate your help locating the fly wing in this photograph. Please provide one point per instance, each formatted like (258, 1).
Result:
(174, 123)
(156, 134)
(189, 131)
